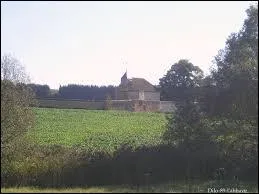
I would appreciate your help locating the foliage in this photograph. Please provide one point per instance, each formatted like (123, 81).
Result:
(182, 76)
(236, 78)
(59, 166)
(73, 91)
(16, 115)
(86, 92)
(236, 72)
(186, 128)
(13, 70)
(41, 91)
(226, 111)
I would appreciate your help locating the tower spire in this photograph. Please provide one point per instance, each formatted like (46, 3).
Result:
(126, 68)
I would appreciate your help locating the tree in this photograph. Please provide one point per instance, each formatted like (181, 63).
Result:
(236, 79)
(16, 115)
(233, 91)
(182, 76)
(236, 71)
(41, 91)
(86, 92)
(12, 70)
(184, 128)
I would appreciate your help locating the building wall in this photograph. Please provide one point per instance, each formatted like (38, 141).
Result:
(152, 96)
(141, 95)
(133, 95)
(122, 94)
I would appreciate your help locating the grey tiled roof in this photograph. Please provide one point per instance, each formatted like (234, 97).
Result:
(140, 84)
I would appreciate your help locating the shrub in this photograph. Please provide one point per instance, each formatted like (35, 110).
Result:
(16, 114)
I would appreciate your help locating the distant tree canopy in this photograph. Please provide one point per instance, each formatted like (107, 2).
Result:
(41, 91)
(181, 77)
(73, 91)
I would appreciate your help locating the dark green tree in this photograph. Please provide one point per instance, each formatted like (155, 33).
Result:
(86, 92)
(41, 91)
(236, 71)
(236, 78)
(185, 129)
(181, 77)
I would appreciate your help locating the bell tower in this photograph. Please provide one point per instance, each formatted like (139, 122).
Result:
(124, 79)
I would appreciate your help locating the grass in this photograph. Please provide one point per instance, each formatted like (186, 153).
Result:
(97, 130)
(100, 131)
(170, 187)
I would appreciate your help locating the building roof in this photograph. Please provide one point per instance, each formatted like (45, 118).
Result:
(140, 84)
(124, 76)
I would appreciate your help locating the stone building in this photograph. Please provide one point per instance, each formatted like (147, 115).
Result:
(136, 89)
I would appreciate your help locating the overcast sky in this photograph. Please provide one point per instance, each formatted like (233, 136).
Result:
(93, 43)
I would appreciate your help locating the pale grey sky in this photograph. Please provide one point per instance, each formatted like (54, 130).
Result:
(87, 43)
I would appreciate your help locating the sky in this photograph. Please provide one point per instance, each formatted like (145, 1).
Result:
(95, 42)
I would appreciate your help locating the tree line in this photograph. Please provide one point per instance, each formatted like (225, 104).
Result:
(74, 91)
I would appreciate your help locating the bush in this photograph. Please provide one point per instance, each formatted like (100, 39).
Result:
(16, 114)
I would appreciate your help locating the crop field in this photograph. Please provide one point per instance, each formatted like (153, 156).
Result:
(97, 130)
(170, 187)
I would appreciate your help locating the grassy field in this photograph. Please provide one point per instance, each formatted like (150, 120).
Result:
(170, 187)
(97, 130)
(100, 131)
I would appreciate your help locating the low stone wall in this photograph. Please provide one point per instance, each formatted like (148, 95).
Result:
(145, 106)
(121, 105)
(90, 105)
(128, 105)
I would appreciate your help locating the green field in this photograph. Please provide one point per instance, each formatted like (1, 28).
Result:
(97, 130)
(47, 169)
(170, 187)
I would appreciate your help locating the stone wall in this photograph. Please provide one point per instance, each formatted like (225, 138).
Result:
(121, 105)
(127, 105)
(145, 106)
(90, 105)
